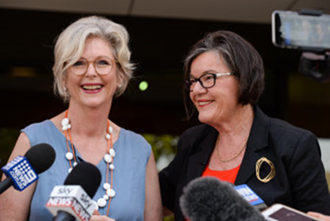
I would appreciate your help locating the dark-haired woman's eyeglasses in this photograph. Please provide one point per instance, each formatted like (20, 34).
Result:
(206, 80)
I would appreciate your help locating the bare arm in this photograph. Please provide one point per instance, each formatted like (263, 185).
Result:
(319, 216)
(153, 207)
(14, 205)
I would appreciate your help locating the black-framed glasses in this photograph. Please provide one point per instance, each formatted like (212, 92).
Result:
(102, 66)
(206, 80)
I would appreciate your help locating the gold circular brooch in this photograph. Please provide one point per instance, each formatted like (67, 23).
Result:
(271, 174)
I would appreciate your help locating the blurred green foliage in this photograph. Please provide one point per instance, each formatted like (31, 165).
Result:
(164, 148)
(162, 144)
(168, 218)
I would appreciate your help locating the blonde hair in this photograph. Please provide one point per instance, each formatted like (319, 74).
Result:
(70, 45)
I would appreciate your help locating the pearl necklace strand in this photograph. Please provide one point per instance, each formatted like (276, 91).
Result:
(108, 158)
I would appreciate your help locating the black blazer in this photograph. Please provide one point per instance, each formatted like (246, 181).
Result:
(300, 176)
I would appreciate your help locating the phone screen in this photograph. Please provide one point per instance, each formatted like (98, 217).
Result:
(284, 214)
(293, 30)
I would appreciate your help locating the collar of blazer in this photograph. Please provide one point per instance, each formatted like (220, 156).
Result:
(258, 140)
(204, 144)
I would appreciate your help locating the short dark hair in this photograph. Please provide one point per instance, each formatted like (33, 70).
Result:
(240, 57)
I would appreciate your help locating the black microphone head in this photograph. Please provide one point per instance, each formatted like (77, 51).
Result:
(85, 175)
(41, 157)
(209, 199)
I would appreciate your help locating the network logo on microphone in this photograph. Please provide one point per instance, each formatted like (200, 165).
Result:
(73, 200)
(248, 194)
(21, 172)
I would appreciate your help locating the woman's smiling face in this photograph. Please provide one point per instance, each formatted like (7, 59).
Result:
(219, 102)
(92, 89)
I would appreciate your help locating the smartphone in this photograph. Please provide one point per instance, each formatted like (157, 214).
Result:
(293, 30)
(280, 212)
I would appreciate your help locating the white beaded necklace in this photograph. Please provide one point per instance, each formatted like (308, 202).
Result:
(108, 158)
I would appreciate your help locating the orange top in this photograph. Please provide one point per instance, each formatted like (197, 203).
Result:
(223, 175)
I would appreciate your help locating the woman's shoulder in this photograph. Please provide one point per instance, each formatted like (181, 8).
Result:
(283, 127)
(38, 126)
(278, 127)
(44, 131)
(197, 131)
(128, 137)
(131, 135)
(194, 136)
(290, 139)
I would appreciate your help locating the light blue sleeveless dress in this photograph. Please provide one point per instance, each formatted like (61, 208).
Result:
(132, 155)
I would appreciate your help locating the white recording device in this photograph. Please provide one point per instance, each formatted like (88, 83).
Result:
(280, 212)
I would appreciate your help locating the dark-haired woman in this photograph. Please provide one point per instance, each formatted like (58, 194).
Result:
(236, 141)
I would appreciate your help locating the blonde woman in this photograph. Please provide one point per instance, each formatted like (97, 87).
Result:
(92, 66)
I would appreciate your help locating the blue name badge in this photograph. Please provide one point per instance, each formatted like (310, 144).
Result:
(248, 194)
(21, 172)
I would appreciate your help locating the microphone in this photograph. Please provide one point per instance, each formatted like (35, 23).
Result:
(207, 198)
(72, 201)
(23, 171)
(248, 194)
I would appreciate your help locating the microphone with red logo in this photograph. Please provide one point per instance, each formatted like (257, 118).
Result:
(73, 200)
(23, 170)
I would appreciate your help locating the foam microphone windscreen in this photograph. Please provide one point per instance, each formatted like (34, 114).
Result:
(209, 199)
(85, 175)
(41, 157)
